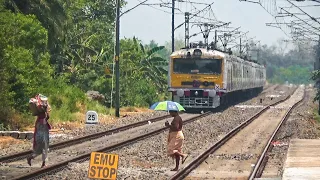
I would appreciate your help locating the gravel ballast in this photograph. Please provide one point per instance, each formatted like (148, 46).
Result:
(147, 159)
(300, 125)
(79, 132)
(90, 129)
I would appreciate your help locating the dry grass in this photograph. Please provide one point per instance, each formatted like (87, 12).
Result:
(103, 119)
(7, 141)
(134, 110)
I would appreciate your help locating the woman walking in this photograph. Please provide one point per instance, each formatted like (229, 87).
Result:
(41, 136)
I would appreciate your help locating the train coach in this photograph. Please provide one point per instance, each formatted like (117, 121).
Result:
(203, 79)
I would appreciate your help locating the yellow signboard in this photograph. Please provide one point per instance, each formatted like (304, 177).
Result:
(103, 166)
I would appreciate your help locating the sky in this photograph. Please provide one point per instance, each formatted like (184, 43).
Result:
(148, 23)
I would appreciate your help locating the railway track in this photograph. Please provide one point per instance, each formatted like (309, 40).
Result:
(24, 154)
(78, 141)
(234, 155)
(261, 163)
(80, 158)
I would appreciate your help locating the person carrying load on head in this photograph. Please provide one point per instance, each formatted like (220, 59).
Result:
(40, 108)
(175, 139)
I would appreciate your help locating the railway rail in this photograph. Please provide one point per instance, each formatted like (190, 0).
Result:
(86, 156)
(24, 154)
(262, 161)
(183, 173)
(87, 138)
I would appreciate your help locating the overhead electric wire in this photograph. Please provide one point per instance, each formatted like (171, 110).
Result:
(133, 7)
(174, 8)
(306, 28)
(205, 14)
(157, 8)
(314, 5)
(194, 15)
(304, 12)
(317, 28)
(192, 2)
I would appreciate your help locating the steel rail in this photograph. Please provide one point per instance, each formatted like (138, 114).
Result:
(202, 157)
(24, 154)
(63, 164)
(263, 159)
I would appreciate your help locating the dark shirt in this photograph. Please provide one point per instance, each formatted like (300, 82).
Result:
(42, 115)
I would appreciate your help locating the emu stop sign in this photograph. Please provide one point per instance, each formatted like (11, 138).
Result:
(103, 166)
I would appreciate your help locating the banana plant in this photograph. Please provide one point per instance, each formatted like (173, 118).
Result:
(151, 66)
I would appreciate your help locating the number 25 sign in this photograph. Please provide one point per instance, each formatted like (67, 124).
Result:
(91, 117)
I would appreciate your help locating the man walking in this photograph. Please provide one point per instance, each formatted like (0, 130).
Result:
(175, 139)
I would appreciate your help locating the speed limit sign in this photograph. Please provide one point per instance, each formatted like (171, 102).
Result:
(92, 117)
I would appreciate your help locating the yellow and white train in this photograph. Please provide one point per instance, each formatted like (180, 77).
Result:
(204, 79)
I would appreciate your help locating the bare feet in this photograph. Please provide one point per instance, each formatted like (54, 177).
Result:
(184, 157)
(29, 161)
(175, 169)
(43, 164)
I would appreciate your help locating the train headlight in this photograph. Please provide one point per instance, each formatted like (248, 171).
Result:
(197, 52)
(212, 93)
(180, 92)
(188, 55)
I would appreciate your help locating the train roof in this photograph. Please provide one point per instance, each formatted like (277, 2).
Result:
(209, 53)
(205, 53)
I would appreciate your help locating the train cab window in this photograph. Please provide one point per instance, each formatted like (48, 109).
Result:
(197, 66)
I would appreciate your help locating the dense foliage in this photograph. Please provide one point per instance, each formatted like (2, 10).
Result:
(316, 74)
(294, 66)
(63, 49)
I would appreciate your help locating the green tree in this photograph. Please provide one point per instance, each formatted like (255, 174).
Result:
(140, 72)
(24, 60)
(294, 66)
(50, 13)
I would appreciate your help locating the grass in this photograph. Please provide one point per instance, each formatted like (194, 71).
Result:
(7, 141)
(316, 116)
(3, 127)
(69, 104)
(61, 117)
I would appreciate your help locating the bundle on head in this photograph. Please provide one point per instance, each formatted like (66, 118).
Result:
(38, 104)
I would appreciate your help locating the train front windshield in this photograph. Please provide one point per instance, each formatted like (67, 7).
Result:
(197, 66)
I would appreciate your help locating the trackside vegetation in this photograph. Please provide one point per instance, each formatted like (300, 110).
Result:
(65, 48)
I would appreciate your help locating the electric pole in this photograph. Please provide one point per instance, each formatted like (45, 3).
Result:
(172, 28)
(226, 37)
(215, 39)
(206, 34)
(187, 35)
(247, 47)
(240, 48)
(318, 68)
(116, 58)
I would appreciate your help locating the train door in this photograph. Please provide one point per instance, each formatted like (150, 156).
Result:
(229, 75)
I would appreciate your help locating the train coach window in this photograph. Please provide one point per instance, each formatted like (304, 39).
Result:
(197, 66)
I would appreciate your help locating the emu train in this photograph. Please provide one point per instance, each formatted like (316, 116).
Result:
(204, 79)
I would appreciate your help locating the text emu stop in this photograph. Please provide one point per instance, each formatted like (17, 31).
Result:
(103, 166)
